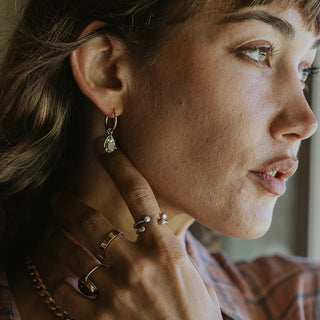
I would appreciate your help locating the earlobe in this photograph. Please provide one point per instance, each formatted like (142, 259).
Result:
(99, 69)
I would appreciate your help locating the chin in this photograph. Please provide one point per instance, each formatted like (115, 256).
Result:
(245, 223)
(246, 230)
(254, 226)
(256, 231)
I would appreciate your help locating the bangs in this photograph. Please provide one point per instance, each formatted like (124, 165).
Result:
(310, 9)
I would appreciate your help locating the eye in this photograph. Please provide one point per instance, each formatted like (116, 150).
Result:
(304, 74)
(258, 54)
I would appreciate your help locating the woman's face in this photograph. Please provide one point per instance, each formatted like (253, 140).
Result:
(219, 112)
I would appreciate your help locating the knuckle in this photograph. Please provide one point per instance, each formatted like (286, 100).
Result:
(60, 291)
(138, 271)
(55, 240)
(168, 251)
(75, 258)
(176, 258)
(90, 220)
(139, 191)
(78, 254)
(99, 313)
(119, 295)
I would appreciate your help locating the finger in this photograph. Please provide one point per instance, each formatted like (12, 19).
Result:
(134, 188)
(90, 228)
(84, 224)
(76, 258)
(77, 306)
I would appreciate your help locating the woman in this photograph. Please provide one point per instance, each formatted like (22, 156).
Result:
(206, 100)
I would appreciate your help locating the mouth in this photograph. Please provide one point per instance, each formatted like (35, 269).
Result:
(273, 175)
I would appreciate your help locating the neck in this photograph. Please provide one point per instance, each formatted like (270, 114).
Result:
(94, 186)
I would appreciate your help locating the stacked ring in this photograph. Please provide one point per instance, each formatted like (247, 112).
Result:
(111, 236)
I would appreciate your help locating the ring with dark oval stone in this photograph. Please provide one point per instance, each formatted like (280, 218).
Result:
(87, 286)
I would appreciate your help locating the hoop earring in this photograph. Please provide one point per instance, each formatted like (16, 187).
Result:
(110, 144)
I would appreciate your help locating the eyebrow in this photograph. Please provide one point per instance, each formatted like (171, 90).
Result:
(283, 26)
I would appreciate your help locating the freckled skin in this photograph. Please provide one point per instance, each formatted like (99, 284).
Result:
(206, 117)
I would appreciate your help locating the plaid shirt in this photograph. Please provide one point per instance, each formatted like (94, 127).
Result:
(265, 289)
(6, 307)
(269, 288)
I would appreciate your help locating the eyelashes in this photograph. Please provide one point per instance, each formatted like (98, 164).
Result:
(308, 74)
(261, 55)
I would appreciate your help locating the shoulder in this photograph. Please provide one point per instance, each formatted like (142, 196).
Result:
(290, 273)
(269, 269)
(285, 287)
(277, 287)
(294, 275)
(6, 310)
(280, 268)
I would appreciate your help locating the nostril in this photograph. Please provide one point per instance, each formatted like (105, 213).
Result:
(292, 136)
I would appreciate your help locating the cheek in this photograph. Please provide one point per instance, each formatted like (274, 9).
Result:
(181, 121)
(194, 140)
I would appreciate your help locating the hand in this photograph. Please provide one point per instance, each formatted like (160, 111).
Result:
(151, 278)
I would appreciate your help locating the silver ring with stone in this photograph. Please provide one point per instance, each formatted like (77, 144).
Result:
(87, 286)
(140, 225)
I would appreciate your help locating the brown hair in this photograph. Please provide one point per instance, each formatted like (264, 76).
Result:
(310, 9)
(38, 94)
(39, 100)
(40, 104)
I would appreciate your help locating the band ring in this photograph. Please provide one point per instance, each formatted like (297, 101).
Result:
(87, 286)
(111, 236)
(140, 225)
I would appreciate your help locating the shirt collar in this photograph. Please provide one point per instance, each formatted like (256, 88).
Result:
(221, 278)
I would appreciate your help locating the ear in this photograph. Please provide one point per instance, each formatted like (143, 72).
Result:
(101, 68)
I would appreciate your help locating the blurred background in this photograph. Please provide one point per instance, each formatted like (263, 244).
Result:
(296, 225)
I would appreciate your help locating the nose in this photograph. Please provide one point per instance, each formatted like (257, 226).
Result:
(295, 119)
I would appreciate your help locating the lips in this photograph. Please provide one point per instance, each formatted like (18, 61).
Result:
(272, 176)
